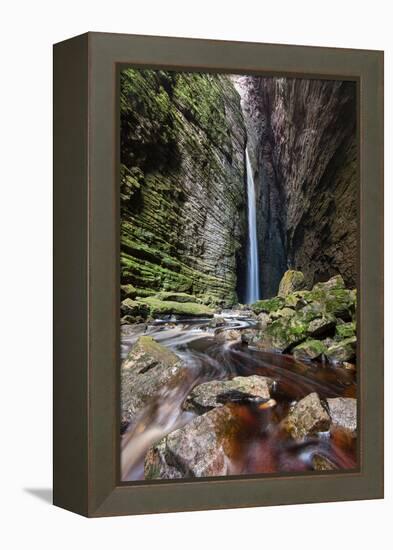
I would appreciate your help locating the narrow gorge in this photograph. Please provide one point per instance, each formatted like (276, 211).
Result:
(184, 181)
(238, 274)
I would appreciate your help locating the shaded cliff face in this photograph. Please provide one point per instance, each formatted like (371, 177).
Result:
(303, 139)
(183, 193)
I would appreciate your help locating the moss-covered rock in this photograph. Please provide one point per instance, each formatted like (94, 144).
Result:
(180, 297)
(346, 330)
(183, 309)
(321, 326)
(309, 350)
(334, 283)
(147, 368)
(283, 334)
(284, 312)
(128, 291)
(290, 282)
(134, 309)
(267, 306)
(345, 350)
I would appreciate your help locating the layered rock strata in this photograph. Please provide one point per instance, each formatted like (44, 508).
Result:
(183, 193)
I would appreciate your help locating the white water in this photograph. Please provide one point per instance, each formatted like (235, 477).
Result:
(252, 289)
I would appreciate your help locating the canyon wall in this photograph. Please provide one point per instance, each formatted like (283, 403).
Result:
(302, 137)
(183, 190)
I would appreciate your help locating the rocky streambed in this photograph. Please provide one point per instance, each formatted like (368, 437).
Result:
(269, 388)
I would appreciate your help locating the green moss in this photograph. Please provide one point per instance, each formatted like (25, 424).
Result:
(128, 291)
(189, 309)
(169, 119)
(291, 281)
(267, 306)
(346, 330)
(134, 309)
(146, 346)
(309, 350)
(345, 350)
(284, 333)
(176, 297)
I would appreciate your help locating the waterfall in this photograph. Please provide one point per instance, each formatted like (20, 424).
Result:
(252, 288)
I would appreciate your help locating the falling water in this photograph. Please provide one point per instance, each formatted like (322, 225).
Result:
(252, 253)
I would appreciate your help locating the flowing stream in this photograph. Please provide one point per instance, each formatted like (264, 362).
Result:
(252, 256)
(264, 447)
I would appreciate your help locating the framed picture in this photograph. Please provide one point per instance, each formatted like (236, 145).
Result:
(218, 274)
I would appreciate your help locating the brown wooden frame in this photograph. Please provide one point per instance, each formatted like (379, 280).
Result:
(86, 274)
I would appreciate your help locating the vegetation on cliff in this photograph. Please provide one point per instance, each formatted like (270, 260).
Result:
(182, 184)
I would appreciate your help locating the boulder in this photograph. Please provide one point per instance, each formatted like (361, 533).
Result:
(338, 302)
(284, 312)
(147, 370)
(309, 350)
(206, 396)
(281, 335)
(346, 330)
(180, 297)
(250, 336)
(321, 325)
(134, 309)
(343, 351)
(321, 463)
(202, 448)
(267, 306)
(297, 299)
(224, 335)
(290, 282)
(263, 320)
(160, 308)
(334, 283)
(343, 412)
(128, 291)
(216, 322)
(307, 418)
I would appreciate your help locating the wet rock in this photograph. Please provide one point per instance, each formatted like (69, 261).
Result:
(250, 336)
(159, 308)
(216, 322)
(267, 306)
(228, 335)
(291, 281)
(202, 448)
(322, 325)
(349, 366)
(156, 465)
(134, 309)
(284, 312)
(343, 351)
(263, 320)
(307, 417)
(147, 370)
(309, 350)
(180, 297)
(321, 463)
(206, 396)
(343, 412)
